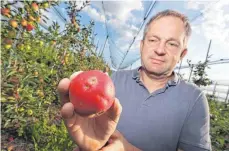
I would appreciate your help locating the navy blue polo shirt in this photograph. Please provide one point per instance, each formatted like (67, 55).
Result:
(176, 116)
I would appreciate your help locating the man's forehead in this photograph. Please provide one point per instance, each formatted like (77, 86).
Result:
(167, 18)
(158, 27)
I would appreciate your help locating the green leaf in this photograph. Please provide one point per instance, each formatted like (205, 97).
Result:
(13, 72)
(7, 123)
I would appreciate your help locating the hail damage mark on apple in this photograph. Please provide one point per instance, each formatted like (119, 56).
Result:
(92, 81)
(86, 86)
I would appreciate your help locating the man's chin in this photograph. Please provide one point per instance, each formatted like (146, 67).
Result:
(159, 74)
(155, 72)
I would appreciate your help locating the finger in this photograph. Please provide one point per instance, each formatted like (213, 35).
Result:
(110, 141)
(62, 88)
(116, 134)
(115, 111)
(70, 117)
(76, 149)
(114, 146)
(75, 74)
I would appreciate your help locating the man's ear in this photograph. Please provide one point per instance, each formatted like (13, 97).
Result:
(183, 54)
(141, 45)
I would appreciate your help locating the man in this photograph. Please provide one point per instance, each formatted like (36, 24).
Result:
(158, 111)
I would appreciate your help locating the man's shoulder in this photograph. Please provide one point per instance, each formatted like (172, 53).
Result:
(190, 86)
(191, 91)
(122, 73)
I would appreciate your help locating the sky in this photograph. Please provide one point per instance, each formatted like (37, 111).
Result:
(126, 18)
(122, 20)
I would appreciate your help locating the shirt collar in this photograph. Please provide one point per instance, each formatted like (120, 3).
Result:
(172, 82)
(136, 75)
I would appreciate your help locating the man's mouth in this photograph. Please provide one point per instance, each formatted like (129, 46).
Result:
(156, 61)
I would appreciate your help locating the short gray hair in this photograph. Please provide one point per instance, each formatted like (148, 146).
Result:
(173, 13)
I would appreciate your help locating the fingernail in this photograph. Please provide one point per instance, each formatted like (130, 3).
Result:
(75, 74)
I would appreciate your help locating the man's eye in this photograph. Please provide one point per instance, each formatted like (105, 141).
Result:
(173, 44)
(153, 40)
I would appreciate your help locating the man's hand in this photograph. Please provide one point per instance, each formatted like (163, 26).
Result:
(118, 143)
(88, 133)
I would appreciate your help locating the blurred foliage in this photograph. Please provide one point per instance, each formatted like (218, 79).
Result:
(33, 61)
(219, 111)
(219, 124)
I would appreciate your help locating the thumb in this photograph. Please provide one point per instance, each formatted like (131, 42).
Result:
(115, 111)
(76, 149)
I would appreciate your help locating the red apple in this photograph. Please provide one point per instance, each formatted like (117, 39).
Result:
(92, 93)
(35, 6)
(8, 41)
(5, 11)
(29, 27)
(10, 139)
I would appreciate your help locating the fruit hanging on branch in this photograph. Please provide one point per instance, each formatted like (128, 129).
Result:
(53, 42)
(8, 46)
(92, 93)
(31, 18)
(73, 12)
(20, 46)
(29, 27)
(23, 22)
(41, 43)
(5, 12)
(30, 112)
(11, 34)
(38, 19)
(8, 43)
(13, 23)
(75, 24)
(45, 4)
(35, 6)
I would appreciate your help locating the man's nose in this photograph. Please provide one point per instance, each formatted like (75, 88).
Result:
(161, 49)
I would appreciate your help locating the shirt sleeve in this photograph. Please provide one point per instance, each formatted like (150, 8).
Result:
(195, 134)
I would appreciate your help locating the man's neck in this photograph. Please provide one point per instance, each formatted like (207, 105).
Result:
(153, 82)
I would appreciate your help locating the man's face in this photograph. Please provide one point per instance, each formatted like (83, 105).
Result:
(163, 45)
